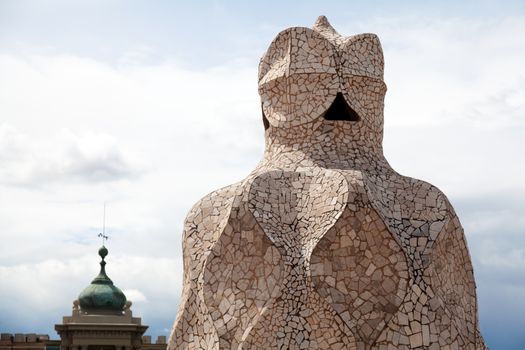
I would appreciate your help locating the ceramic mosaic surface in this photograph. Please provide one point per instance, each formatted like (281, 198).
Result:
(324, 245)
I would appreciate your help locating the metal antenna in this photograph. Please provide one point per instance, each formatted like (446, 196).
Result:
(103, 234)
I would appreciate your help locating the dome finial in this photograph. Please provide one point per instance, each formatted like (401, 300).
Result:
(102, 278)
(101, 294)
(103, 252)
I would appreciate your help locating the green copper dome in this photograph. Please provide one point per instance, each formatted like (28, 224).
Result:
(101, 294)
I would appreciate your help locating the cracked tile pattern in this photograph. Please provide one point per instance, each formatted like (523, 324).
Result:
(324, 245)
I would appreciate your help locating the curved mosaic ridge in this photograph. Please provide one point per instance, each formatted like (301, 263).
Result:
(324, 245)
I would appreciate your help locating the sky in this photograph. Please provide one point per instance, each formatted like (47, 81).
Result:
(150, 105)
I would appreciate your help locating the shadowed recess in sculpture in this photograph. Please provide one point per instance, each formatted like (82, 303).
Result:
(266, 123)
(340, 110)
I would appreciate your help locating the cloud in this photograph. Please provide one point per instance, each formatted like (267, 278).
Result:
(454, 116)
(134, 295)
(63, 157)
(150, 138)
(494, 223)
(455, 106)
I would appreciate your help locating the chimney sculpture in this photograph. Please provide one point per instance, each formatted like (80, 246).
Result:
(324, 245)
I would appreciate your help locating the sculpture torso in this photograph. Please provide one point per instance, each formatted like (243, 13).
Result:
(323, 245)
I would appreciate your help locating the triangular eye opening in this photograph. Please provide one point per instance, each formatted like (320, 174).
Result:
(266, 123)
(340, 110)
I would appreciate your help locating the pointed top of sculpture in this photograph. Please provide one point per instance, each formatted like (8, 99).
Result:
(322, 25)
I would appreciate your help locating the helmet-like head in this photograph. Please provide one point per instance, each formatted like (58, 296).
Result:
(308, 74)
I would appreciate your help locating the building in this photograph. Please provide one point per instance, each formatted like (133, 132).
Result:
(101, 319)
(29, 341)
(33, 341)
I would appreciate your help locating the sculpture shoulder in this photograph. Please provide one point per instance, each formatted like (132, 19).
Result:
(210, 211)
(427, 199)
(203, 226)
